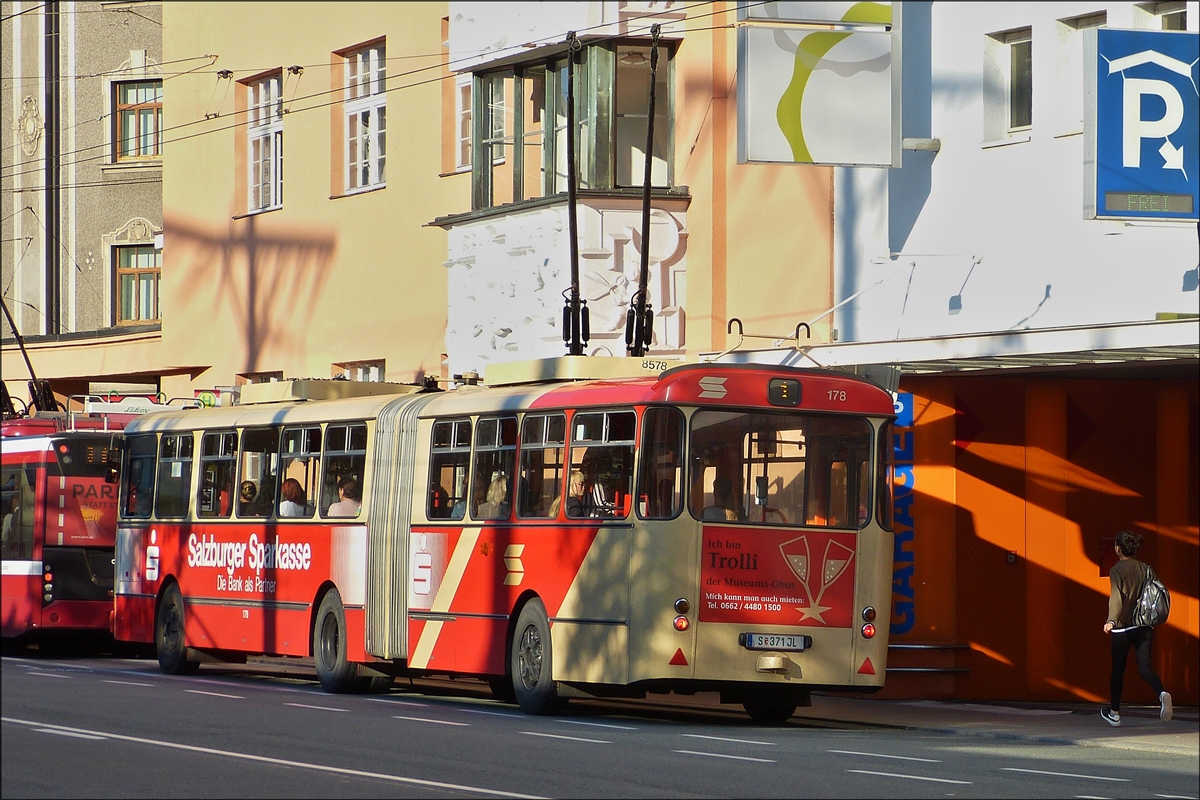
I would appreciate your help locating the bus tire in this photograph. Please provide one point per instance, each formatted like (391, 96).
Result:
(336, 674)
(170, 641)
(531, 661)
(769, 710)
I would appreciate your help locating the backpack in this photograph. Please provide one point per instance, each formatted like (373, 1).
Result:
(1153, 604)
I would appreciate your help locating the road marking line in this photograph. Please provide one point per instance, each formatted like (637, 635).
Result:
(1176, 796)
(215, 694)
(727, 739)
(283, 762)
(490, 713)
(318, 708)
(910, 777)
(1065, 774)
(398, 702)
(49, 675)
(885, 755)
(71, 733)
(568, 738)
(130, 683)
(436, 721)
(597, 724)
(723, 755)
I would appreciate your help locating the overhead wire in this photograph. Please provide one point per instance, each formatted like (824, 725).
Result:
(442, 63)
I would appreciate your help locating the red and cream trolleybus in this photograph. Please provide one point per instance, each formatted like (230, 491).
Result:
(577, 527)
(58, 500)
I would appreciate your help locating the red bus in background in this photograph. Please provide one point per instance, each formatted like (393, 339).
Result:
(575, 528)
(59, 474)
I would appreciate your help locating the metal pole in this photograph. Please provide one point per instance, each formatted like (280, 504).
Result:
(574, 315)
(639, 328)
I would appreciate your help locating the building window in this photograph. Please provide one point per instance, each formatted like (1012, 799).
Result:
(138, 271)
(1170, 16)
(1008, 84)
(527, 105)
(139, 120)
(1020, 79)
(265, 132)
(1067, 109)
(361, 370)
(366, 117)
(462, 117)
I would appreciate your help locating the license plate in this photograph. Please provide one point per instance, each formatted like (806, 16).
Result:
(774, 641)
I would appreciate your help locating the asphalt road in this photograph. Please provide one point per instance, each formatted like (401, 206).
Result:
(108, 727)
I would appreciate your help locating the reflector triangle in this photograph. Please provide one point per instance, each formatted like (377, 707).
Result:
(679, 659)
(866, 668)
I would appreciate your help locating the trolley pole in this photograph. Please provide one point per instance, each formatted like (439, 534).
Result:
(575, 314)
(639, 322)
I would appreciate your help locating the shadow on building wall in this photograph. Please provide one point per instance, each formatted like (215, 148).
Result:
(263, 281)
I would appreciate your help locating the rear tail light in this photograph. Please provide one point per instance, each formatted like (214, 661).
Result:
(868, 631)
(681, 623)
(868, 614)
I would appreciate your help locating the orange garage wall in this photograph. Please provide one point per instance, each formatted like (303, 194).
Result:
(1020, 484)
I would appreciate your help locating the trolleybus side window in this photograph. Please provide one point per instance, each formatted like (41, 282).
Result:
(174, 475)
(345, 462)
(139, 479)
(495, 458)
(259, 472)
(301, 461)
(602, 449)
(17, 495)
(660, 481)
(883, 478)
(449, 463)
(779, 469)
(543, 445)
(218, 464)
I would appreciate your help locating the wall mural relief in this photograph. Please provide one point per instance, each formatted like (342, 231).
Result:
(508, 277)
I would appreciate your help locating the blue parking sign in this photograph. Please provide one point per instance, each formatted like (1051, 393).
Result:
(1143, 124)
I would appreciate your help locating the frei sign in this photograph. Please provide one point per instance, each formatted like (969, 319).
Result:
(818, 83)
(1142, 124)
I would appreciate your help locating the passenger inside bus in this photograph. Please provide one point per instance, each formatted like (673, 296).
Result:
(247, 494)
(264, 501)
(724, 508)
(596, 499)
(495, 506)
(349, 500)
(294, 502)
(575, 491)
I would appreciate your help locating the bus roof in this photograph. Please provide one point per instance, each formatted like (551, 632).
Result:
(555, 383)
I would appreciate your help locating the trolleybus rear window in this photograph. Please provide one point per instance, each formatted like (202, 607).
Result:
(139, 478)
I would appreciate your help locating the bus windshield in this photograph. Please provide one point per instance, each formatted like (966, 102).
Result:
(777, 468)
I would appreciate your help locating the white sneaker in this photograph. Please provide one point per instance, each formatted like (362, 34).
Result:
(1165, 711)
(1111, 717)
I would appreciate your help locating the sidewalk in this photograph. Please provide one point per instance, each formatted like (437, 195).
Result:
(1061, 723)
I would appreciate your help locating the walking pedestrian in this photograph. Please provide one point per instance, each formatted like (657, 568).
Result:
(1126, 579)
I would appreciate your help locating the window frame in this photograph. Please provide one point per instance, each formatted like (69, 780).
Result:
(264, 131)
(1012, 40)
(452, 451)
(596, 122)
(370, 103)
(120, 112)
(218, 448)
(137, 273)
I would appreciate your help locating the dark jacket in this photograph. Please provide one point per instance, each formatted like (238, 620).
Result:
(1125, 579)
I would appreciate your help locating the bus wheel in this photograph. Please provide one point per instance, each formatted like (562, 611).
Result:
(336, 674)
(769, 711)
(169, 640)
(535, 690)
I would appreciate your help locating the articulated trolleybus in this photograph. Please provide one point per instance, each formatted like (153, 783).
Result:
(578, 527)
